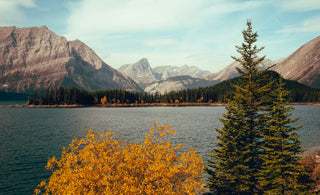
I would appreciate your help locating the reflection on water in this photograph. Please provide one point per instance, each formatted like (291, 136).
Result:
(32, 135)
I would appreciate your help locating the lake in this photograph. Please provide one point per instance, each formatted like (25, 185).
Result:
(30, 136)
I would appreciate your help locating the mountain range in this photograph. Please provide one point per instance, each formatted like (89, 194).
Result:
(165, 78)
(36, 58)
(177, 83)
(302, 66)
(140, 71)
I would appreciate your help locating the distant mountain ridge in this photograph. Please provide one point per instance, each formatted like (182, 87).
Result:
(164, 78)
(36, 58)
(303, 65)
(165, 72)
(230, 71)
(177, 83)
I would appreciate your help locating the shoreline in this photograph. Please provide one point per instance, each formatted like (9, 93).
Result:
(136, 105)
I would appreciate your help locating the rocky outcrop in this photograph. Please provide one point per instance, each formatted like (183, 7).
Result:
(303, 65)
(37, 58)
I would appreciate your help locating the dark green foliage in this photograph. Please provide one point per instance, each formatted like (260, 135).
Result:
(236, 160)
(258, 151)
(62, 96)
(280, 169)
(120, 96)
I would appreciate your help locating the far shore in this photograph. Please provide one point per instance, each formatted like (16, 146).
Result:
(138, 105)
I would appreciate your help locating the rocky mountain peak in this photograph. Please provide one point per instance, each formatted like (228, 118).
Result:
(140, 71)
(144, 75)
(36, 58)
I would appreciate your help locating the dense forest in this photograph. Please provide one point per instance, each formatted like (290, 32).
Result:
(218, 93)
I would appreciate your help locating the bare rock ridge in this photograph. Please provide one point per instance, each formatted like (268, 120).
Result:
(303, 65)
(230, 71)
(37, 58)
(177, 83)
(165, 78)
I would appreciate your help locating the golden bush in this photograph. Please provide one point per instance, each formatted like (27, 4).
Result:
(99, 164)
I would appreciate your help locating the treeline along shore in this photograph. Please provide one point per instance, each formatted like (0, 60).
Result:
(206, 96)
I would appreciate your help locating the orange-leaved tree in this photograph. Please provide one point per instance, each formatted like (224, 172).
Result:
(104, 100)
(99, 164)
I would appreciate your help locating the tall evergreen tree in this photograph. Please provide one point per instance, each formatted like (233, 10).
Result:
(41, 98)
(280, 171)
(236, 161)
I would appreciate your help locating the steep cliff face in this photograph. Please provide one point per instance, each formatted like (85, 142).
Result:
(303, 65)
(37, 58)
(140, 72)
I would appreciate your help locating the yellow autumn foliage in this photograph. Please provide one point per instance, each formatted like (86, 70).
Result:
(99, 164)
(104, 100)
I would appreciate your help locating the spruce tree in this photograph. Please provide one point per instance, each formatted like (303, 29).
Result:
(280, 171)
(236, 160)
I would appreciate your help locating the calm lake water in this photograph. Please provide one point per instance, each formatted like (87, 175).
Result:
(29, 136)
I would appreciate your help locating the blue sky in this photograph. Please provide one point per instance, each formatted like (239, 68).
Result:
(171, 32)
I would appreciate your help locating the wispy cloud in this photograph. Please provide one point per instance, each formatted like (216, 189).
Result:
(11, 11)
(109, 16)
(160, 42)
(309, 25)
(224, 7)
(299, 5)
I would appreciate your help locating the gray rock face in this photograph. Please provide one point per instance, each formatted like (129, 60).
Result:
(230, 71)
(303, 65)
(160, 78)
(177, 83)
(140, 72)
(37, 58)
